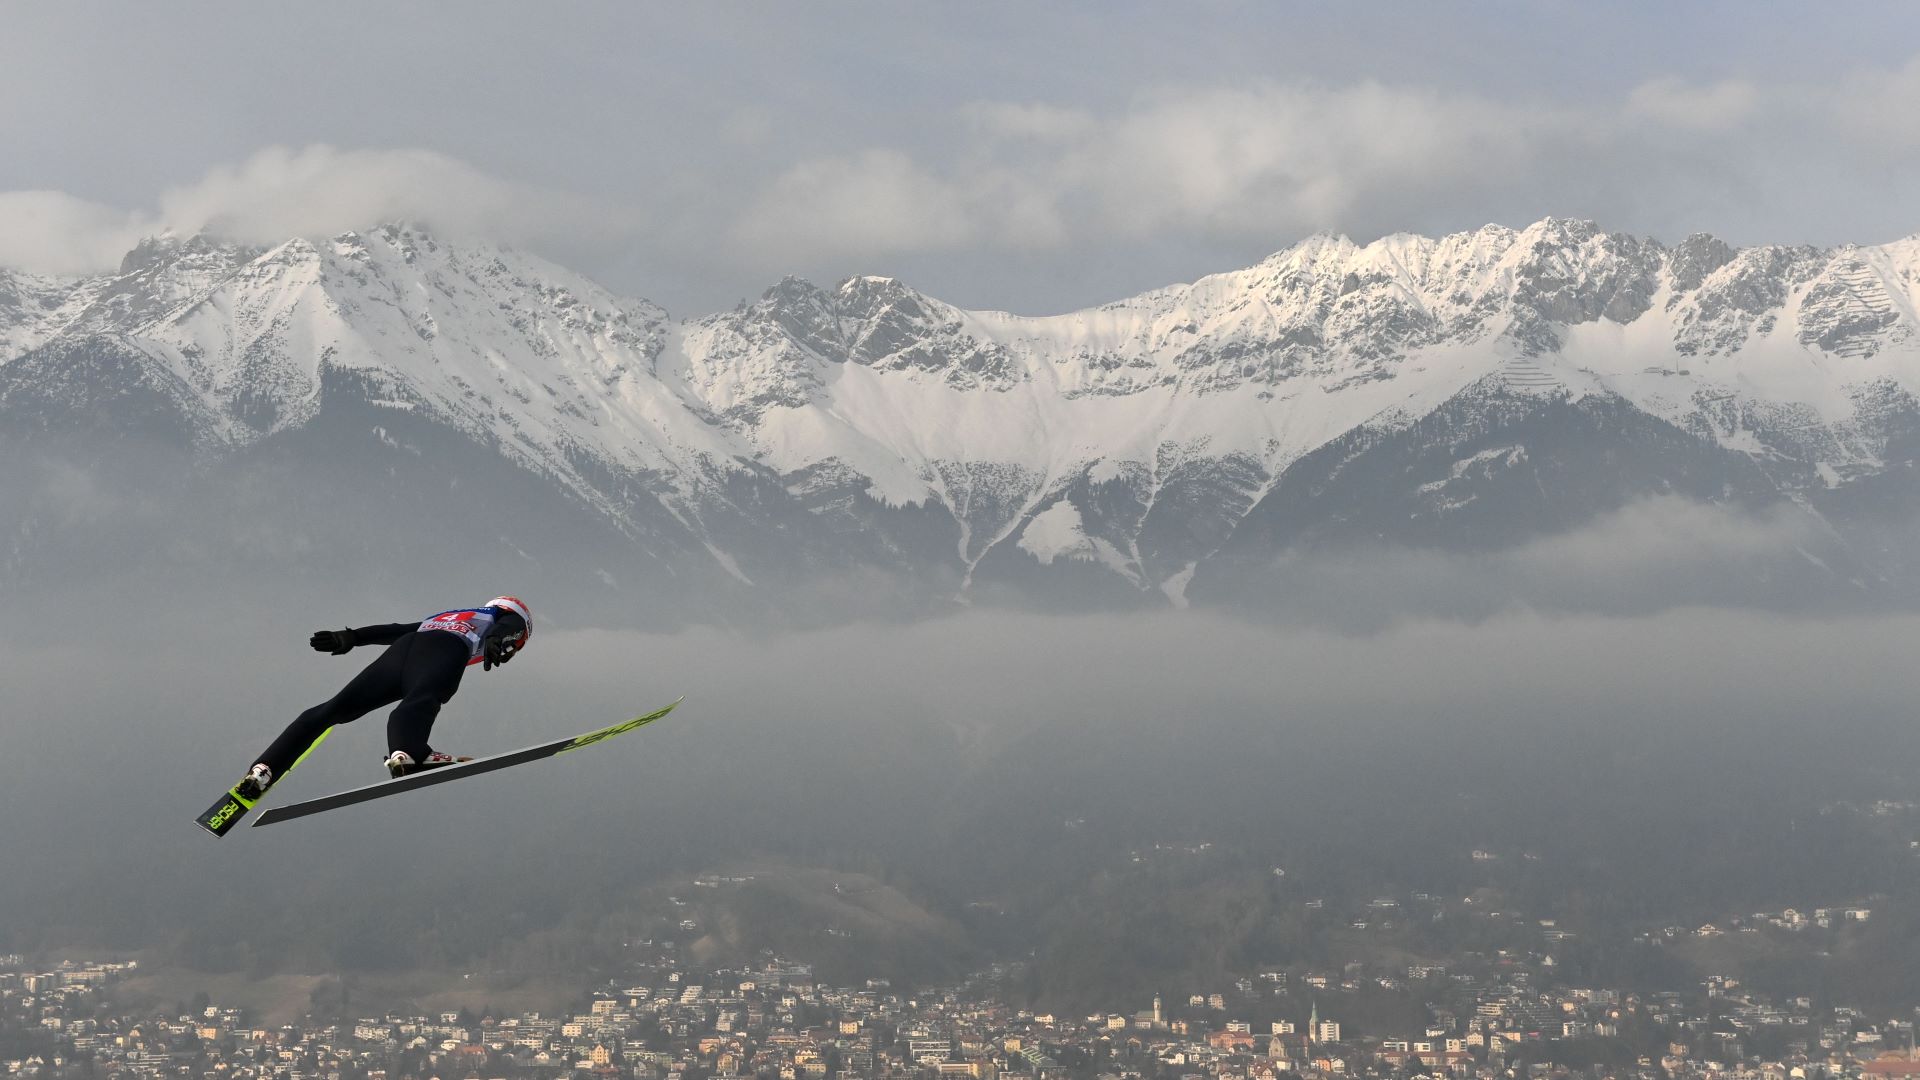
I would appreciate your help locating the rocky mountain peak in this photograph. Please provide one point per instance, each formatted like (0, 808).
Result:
(1695, 258)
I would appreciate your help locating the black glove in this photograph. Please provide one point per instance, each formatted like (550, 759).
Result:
(337, 642)
(497, 650)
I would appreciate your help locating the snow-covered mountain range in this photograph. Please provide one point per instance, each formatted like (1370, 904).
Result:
(1472, 390)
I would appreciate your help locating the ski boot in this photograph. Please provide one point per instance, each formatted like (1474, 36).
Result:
(255, 783)
(400, 763)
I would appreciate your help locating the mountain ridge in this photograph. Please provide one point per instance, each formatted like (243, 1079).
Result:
(1135, 437)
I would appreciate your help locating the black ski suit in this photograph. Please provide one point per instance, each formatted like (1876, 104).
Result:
(420, 669)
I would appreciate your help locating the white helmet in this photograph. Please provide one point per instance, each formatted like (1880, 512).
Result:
(514, 604)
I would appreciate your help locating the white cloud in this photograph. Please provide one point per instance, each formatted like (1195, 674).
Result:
(51, 232)
(321, 190)
(317, 190)
(1193, 168)
(1286, 158)
(1667, 536)
(1651, 555)
(281, 192)
(1274, 159)
(1280, 159)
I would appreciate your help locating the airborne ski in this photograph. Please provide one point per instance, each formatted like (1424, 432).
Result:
(445, 773)
(226, 811)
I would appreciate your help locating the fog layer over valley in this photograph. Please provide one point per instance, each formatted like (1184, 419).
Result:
(990, 785)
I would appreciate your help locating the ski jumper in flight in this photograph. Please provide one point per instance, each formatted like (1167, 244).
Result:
(420, 668)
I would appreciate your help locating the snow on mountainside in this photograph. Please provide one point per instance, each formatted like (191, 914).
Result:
(489, 342)
(1135, 437)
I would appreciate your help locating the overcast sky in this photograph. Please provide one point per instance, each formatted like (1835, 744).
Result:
(1035, 157)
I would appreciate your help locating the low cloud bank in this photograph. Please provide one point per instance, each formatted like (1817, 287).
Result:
(998, 195)
(873, 745)
(1279, 159)
(1650, 556)
(315, 191)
